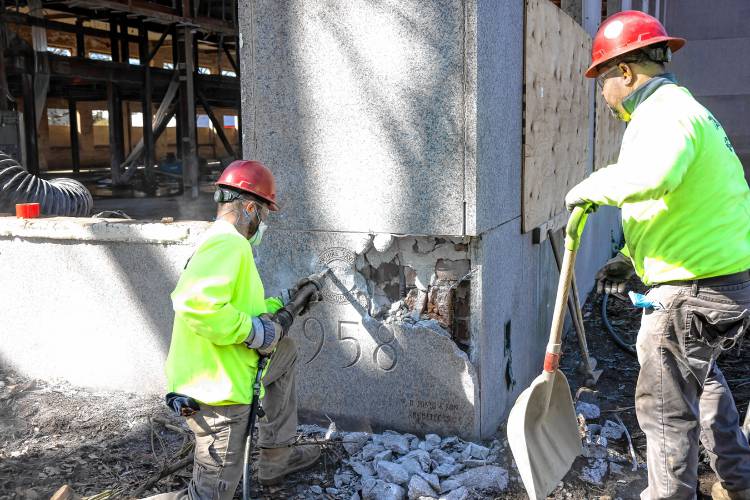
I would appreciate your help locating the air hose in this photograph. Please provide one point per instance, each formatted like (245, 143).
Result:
(621, 343)
(64, 197)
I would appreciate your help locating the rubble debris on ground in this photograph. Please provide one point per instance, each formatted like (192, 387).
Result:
(404, 466)
(598, 434)
(111, 444)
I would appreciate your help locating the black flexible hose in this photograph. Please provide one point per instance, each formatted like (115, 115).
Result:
(628, 348)
(65, 197)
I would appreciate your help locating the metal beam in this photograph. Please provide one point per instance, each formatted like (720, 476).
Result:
(189, 146)
(4, 92)
(84, 80)
(146, 102)
(231, 60)
(26, 20)
(158, 45)
(124, 43)
(75, 154)
(147, 10)
(176, 59)
(116, 136)
(31, 150)
(80, 40)
(217, 125)
(113, 40)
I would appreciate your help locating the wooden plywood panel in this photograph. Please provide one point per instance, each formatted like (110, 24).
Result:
(609, 131)
(556, 111)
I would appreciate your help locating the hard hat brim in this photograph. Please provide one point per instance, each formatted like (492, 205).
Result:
(674, 44)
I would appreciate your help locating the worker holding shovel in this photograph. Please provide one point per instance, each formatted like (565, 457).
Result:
(223, 325)
(686, 219)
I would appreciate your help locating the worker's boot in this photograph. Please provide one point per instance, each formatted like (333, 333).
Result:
(718, 492)
(275, 463)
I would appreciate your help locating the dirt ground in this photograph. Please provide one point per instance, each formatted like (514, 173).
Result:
(113, 445)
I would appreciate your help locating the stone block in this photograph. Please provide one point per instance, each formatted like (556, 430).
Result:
(418, 487)
(92, 293)
(359, 111)
(363, 373)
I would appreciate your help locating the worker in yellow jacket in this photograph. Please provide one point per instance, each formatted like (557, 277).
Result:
(223, 321)
(686, 219)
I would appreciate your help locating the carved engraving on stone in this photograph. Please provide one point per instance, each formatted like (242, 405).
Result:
(382, 344)
(347, 330)
(313, 330)
(422, 411)
(341, 262)
(384, 354)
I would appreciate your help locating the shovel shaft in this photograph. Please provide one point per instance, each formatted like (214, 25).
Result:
(572, 242)
(552, 359)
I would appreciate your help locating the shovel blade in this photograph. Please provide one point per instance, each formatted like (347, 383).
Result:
(543, 433)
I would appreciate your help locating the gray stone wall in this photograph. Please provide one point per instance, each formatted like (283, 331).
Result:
(358, 108)
(88, 300)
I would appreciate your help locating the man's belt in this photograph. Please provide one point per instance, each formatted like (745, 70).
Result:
(729, 279)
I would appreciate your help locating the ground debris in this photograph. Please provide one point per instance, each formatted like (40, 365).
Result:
(109, 445)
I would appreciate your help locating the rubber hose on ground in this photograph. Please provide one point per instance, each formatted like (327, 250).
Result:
(64, 197)
(628, 348)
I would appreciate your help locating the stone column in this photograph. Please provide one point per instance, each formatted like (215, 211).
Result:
(394, 131)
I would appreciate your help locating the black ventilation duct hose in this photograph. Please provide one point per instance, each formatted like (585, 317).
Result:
(64, 197)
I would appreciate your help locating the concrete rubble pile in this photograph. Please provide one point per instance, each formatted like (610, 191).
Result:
(598, 435)
(393, 466)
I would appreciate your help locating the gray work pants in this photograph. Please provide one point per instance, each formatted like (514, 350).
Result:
(221, 431)
(681, 395)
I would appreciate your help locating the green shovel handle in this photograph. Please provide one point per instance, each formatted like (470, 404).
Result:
(574, 230)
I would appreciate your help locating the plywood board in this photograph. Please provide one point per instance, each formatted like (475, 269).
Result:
(609, 131)
(556, 110)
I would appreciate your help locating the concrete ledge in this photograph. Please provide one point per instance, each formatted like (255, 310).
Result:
(102, 230)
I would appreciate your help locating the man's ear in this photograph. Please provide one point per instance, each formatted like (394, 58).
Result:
(627, 73)
(251, 208)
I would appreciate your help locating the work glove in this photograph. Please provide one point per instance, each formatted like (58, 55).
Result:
(290, 293)
(612, 276)
(573, 199)
(182, 404)
(265, 334)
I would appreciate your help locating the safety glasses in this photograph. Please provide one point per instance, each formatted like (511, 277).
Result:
(603, 76)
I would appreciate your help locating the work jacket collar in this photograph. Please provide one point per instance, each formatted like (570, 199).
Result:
(644, 91)
(222, 226)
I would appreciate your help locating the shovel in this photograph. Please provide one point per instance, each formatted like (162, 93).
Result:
(542, 426)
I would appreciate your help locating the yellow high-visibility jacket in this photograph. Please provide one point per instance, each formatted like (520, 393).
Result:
(685, 202)
(215, 299)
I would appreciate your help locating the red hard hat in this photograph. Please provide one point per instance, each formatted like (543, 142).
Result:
(627, 31)
(252, 177)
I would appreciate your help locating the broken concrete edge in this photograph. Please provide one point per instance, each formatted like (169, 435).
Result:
(102, 230)
(413, 278)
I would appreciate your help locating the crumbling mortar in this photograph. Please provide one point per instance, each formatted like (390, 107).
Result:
(420, 279)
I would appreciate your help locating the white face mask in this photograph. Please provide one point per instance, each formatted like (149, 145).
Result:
(256, 238)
